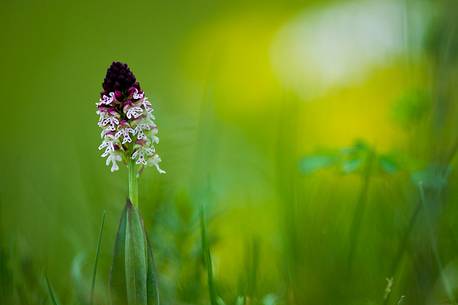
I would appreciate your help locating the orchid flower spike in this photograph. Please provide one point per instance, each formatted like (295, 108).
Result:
(125, 117)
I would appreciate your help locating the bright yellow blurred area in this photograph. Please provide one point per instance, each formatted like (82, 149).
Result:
(235, 53)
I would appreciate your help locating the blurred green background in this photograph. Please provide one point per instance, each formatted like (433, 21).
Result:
(319, 135)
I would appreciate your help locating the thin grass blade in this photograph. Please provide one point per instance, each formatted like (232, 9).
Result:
(94, 272)
(359, 210)
(152, 282)
(117, 274)
(51, 292)
(207, 258)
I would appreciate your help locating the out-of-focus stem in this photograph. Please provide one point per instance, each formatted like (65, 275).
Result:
(433, 240)
(133, 183)
(360, 208)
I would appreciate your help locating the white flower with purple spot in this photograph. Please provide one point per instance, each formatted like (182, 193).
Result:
(137, 95)
(113, 158)
(134, 112)
(147, 105)
(124, 132)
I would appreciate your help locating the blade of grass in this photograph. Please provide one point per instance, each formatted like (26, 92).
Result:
(359, 209)
(51, 292)
(94, 272)
(118, 294)
(252, 265)
(207, 258)
(405, 239)
(403, 245)
(447, 286)
(151, 281)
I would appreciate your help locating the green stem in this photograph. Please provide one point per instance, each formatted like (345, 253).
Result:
(133, 183)
(360, 208)
(433, 240)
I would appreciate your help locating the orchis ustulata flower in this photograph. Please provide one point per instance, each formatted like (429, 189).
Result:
(127, 121)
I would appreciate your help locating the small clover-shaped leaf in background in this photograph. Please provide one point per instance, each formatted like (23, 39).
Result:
(433, 177)
(388, 164)
(352, 165)
(358, 147)
(355, 157)
(349, 159)
(313, 163)
(393, 162)
(411, 107)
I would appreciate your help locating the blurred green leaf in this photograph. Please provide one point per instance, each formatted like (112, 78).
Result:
(351, 166)
(133, 274)
(388, 164)
(269, 299)
(81, 283)
(358, 147)
(433, 177)
(220, 301)
(118, 284)
(152, 284)
(411, 107)
(314, 163)
(239, 300)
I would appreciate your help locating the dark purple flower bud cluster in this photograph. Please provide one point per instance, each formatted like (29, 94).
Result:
(119, 78)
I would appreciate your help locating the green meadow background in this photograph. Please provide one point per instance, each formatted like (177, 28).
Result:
(319, 136)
